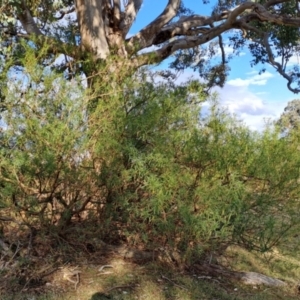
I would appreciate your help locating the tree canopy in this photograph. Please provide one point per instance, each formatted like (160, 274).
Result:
(290, 118)
(96, 29)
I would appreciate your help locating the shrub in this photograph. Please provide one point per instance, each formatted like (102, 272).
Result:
(139, 160)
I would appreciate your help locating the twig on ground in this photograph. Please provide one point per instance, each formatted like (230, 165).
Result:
(180, 286)
(78, 279)
(68, 273)
(121, 287)
(104, 266)
(16, 252)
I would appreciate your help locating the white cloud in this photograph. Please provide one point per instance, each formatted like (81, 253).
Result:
(256, 79)
(262, 93)
(253, 109)
(186, 76)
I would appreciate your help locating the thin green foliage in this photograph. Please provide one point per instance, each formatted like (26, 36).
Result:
(139, 159)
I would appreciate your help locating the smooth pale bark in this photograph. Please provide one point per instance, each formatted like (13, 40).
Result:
(104, 25)
(130, 14)
(92, 27)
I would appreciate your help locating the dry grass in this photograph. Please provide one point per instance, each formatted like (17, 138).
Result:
(127, 281)
(45, 277)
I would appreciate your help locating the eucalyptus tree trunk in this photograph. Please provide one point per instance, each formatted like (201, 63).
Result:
(269, 27)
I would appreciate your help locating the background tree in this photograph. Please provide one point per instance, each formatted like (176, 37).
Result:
(290, 118)
(97, 29)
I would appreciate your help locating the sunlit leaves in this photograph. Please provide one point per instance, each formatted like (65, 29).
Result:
(148, 161)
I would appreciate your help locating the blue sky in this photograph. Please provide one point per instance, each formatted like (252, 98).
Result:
(252, 97)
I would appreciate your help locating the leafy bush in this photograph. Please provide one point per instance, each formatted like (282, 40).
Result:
(139, 160)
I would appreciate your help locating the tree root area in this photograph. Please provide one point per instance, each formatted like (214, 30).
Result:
(39, 264)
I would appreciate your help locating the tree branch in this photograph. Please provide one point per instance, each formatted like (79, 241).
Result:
(274, 2)
(131, 10)
(145, 37)
(221, 45)
(245, 26)
(265, 16)
(63, 13)
(186, 43)
(277, 65)
(191, 25)
(27, 20)
(186, 26)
